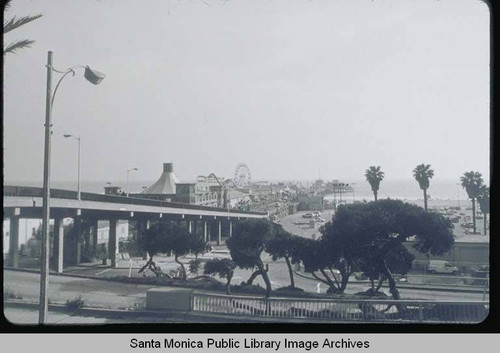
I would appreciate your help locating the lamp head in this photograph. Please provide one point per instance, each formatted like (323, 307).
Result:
(94, 77)
(67, 135)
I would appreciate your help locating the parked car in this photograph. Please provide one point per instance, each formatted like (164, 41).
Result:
(441, 266)
(360, 276)
(478, 275)
(307, 215)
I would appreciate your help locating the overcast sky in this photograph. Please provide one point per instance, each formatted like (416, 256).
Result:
(291, 88)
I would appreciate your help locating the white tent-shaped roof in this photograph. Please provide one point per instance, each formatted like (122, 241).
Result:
(166, 183)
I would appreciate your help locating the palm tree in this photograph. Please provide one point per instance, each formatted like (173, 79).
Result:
(14, 23)
(374, 176)
(472, 182)
(422, 173)
(484, 202)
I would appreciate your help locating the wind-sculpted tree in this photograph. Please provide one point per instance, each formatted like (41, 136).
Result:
(373, 233)
(224, 268)
(153, 242)
(180, 242)
(325, 264)
(423, 173)
(374, 176)
(399, 260)
(472, 182)
(283, 245)
(484, 203)
(246, 246)
(169, 238)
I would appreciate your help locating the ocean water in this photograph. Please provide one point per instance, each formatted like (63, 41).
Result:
(440, 192)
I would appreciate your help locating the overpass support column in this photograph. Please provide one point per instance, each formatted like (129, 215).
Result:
(77, 223)
(113, 241)
(142, 227)
(205, 231)
(95, 234)
(14, 242)
(190, 226)
(230, 229)
(195, 226)
(58, 253)
(219, 238)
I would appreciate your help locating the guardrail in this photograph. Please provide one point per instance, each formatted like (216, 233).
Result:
(28, 191)
(343, 310)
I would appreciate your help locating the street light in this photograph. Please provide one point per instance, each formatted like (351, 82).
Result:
(95, 78)
(79, 163)
(352, 185)
(128, 171)
(458, 194)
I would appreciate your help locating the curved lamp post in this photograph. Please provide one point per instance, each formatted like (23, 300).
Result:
(79, 163)
(95, 78)
(128, 171)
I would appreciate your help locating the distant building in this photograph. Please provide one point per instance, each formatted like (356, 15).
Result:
(240, 199)
(293, 207)
(166, 183)
(310, 203)
(205, 191)
(113, 190)
(27, 229)
(122, 231)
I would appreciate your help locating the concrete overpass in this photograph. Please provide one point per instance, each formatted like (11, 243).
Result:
(26, 202)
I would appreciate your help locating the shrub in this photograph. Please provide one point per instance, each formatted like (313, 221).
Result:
(194, 266)
(10, 294)
(75, 304)
(290, 289)
(224, 268)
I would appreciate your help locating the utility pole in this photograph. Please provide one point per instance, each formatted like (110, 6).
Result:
(44, 279)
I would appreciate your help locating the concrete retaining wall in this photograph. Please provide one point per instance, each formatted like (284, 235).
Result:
(461, 254)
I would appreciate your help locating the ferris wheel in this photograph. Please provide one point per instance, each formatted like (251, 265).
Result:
(242, 175)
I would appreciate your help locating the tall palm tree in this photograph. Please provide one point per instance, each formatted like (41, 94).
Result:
(471, 182)
(374, 176)
(484, 202)
(422, 173)
(12, 24)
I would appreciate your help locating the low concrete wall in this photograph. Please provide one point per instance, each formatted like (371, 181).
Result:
(169, 298)
(461, 254)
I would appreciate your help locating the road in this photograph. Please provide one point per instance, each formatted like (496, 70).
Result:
(278, 274)
(30, 316)
(298, 225)
(95, 293)
(106, 294)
